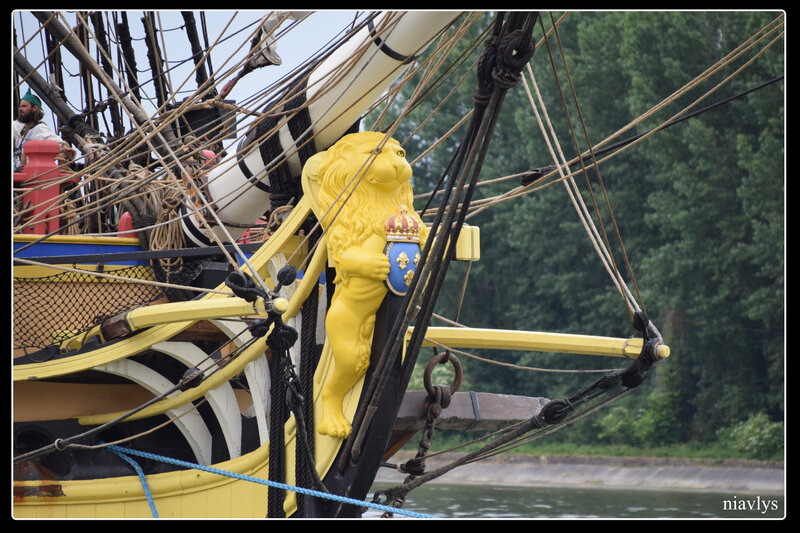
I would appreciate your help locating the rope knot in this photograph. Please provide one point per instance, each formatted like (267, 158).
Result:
(170, 205)
(514, 51)
(486, 64)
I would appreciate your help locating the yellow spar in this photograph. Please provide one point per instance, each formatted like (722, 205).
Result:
(537, 342)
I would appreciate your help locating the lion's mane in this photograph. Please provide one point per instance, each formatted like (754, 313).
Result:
(366, 210)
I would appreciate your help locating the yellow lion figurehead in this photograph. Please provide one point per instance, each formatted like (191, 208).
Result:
(364, 178)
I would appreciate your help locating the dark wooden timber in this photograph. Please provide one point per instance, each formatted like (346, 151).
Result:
(481, 411)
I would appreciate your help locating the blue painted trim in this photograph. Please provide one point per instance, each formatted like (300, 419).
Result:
(48, 249)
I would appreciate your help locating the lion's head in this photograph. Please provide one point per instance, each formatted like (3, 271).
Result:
(358, 198)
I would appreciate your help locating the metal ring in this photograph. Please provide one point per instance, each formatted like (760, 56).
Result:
(443, 358)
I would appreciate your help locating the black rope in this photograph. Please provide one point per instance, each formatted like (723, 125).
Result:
(308, 364)
(511, 51)
(288, 392)
(385, 48)
(553, 413)
(283, 186)
(286, 383)
(277, 418)
(279, 342)
(440, 249)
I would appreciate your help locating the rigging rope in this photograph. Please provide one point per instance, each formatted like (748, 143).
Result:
(632, 307)
(564, 177)
(729, 58)
(86, 206)
(553, 413)
(282, 486)
(511, 38)
(576, 198)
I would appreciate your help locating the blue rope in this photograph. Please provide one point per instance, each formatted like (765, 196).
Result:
(142, 477)
(342, 499)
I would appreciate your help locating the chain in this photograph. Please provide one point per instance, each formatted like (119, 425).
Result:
(438, 399)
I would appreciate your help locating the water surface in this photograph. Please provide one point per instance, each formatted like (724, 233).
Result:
(497, 502)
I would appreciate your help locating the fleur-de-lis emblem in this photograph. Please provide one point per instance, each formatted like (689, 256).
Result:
(407, 277)
(417, 257)
(402, 260)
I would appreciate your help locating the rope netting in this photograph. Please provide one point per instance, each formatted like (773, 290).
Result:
(48, 310)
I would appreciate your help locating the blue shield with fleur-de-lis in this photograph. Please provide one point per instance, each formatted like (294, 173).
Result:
(403, 260)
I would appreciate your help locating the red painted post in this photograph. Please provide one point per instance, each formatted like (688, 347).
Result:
(40, 171)
(125, 225)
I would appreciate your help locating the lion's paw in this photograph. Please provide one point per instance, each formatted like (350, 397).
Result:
(336, 426)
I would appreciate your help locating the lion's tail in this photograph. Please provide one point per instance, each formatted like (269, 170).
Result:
(364, 349)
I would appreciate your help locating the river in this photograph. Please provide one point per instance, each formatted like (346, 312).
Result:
(460, 501)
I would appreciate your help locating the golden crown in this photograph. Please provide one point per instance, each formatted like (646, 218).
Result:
(402, 227)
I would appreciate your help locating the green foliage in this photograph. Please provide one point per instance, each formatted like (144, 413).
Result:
(617, 427)
(699, 206)
(758, 437)
(653, 423)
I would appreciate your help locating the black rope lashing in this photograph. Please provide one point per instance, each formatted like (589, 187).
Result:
(287, 396)
(308, 364)
(437, 253)
(385, 48)
(556, 410)
(468, 170)
(283, 186)
(288, 392)
(279, 341)
(552, 413)
(277, 418)
(279, 414)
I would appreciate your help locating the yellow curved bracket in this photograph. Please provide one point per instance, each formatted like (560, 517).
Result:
(154, 315)
(158, 333)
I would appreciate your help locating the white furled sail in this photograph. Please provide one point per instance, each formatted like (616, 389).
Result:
(339, 91)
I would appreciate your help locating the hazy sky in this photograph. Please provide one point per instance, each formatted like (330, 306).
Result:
(294, 47)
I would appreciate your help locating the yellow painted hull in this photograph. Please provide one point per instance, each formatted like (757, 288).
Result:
(184, 494)
(195, 493)
(190, 493)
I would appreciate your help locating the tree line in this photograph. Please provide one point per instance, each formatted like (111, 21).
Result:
(699, 207)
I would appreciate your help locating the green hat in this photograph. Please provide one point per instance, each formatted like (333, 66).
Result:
(30, 97)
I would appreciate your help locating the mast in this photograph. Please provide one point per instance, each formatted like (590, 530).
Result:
(390, 45)
(124, 36)
(201, 76)
(102, 44)
(71, 42)
(56, 76)
(86, 77)
(155, 59)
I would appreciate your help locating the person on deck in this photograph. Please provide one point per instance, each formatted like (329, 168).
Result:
(29, 126)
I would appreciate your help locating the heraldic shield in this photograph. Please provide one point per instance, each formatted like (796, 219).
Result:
(403, 260)
(402, 249)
